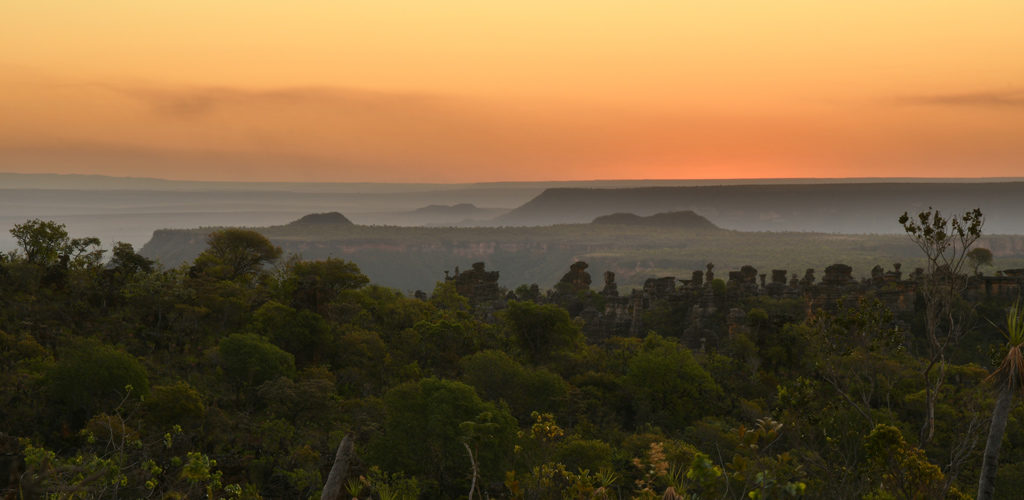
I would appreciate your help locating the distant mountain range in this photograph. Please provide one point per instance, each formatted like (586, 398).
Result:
(851, 208)
(130, 209)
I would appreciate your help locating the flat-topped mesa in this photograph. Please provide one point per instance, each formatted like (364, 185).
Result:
(326, 218)
(686, 219)
(476, 284)
(456, 209)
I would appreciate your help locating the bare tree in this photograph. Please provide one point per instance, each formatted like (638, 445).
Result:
(946, 243)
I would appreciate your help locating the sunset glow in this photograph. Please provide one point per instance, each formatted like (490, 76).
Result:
(448, 90)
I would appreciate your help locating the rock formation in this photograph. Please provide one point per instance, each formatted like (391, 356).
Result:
(476, 284)
(610, 288)
(577, 279)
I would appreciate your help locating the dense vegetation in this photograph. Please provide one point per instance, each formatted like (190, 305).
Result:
(237, 374)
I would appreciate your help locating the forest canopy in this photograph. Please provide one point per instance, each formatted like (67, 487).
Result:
(237, 375)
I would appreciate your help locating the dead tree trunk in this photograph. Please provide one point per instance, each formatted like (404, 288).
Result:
(336, 479)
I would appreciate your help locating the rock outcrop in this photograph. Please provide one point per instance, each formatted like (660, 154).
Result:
(577, 279)
(477, 284)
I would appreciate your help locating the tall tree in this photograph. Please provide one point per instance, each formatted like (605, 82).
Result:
(979, 257)
(236, 252)
(1007, 380)
(946, 244)
(46, 243)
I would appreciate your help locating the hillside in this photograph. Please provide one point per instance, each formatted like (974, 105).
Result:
(851, 208)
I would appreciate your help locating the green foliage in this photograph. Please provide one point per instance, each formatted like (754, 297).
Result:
(45, 243)
(125, 261)
(422, 436)
(363, 362)
(313, 285)
(248, 360)
(304, 334)
(175, 404)
(498, 377)
(670, 389)
(234, 253)
(446, 298)
(258, 376)
(899, 469)
(585, 454)
(90, 377)
(540, 330)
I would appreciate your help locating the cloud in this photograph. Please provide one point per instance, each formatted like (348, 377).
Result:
(994, 99)
(194, 102)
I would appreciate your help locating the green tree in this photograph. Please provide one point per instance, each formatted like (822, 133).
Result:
(423, 435)
(175, 404)
(979, 257)
(898, 469)
(441, 344)
(670, 389)
(498, 377)
(126, 262)
(540, 330)
(315, 284)
(305, 334)
(249, 360)
(234, 253)
(91, 377)
(1008, 380)
(46, 243)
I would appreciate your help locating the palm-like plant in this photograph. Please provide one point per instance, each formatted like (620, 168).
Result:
(1008, 380)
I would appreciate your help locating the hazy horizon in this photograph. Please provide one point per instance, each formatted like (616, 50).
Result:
(28, 180)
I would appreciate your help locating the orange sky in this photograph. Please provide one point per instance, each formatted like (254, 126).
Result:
(442, 91)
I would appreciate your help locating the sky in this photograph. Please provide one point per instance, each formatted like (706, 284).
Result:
(470, 91)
